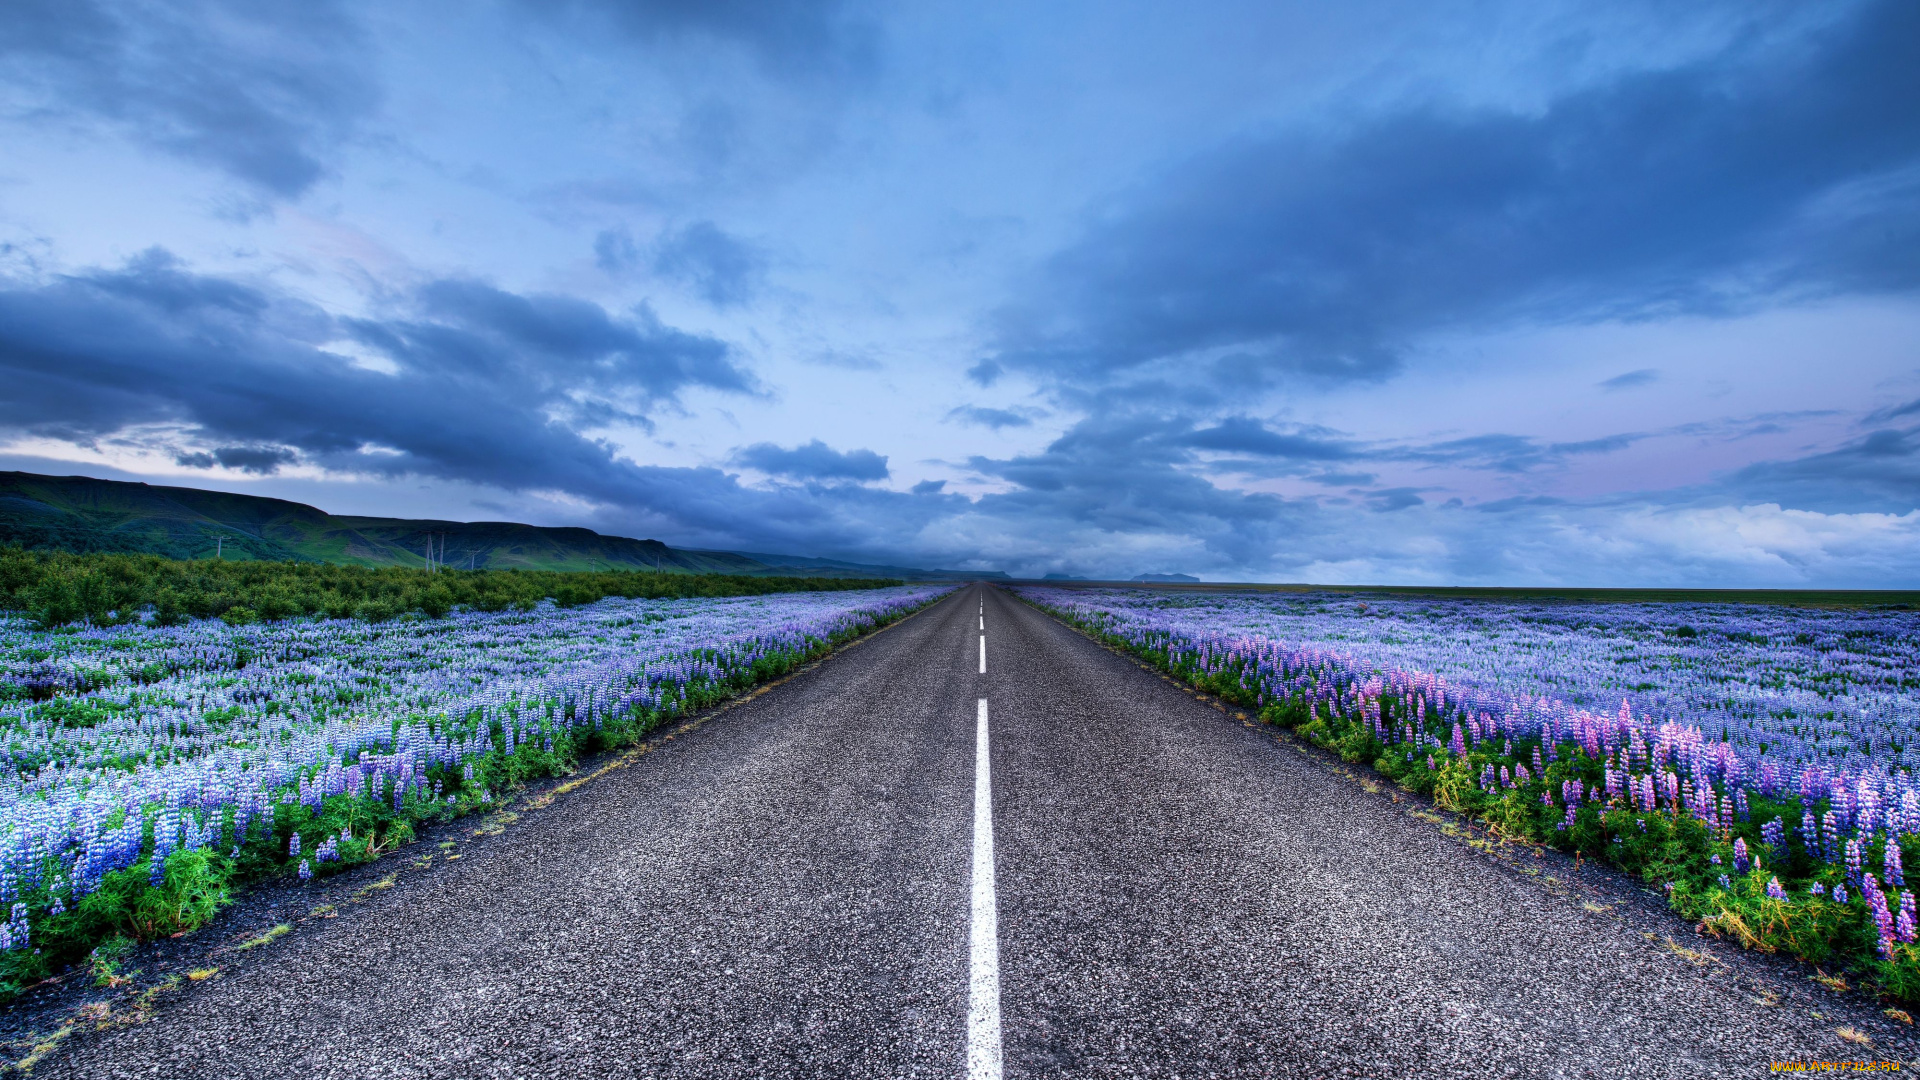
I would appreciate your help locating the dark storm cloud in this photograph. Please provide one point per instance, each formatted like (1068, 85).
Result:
(489, 387)
(1242, 435)
(1631, 379)
(798, 38)
(722, 269)
(982, 416)
(265, 93)
(1387, 500)
(1509, 453)
(813, 461)
(1765, 171)
(1264, 450)
(1125, 476)
(1880, 472)
(258, 460)
(615, 252)
(1894, 412)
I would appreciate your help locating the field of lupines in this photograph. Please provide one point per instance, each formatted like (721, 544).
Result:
(1756, 763)
(147, 770)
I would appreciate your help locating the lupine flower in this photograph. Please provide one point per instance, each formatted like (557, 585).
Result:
(1774, 890)
(1896, 875)
(1840, 894)
(306, 871)
(18, 932)
(1740, 855)
(293, 847)
(1882, 918)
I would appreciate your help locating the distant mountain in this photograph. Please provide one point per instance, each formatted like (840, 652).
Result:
(79, 513)
(1177, 579)
(1063, 577)
(833, 567)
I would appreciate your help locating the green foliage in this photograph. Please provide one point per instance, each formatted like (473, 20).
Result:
(194, 885)
(103, 963)
(57, 588)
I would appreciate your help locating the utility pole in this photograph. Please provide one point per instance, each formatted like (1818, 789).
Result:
(218, 543)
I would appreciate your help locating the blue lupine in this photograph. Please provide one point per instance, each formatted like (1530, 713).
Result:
(1896, 876)
(1740, 855)
(1775, 890)
(1774, 835)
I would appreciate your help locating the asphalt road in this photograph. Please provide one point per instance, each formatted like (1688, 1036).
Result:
(790, 891)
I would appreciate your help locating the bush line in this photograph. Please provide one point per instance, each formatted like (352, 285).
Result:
(57, 588)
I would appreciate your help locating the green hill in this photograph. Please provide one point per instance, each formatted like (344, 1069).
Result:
(81, 514)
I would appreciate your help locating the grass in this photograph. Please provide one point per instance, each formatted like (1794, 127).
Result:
(267, 938)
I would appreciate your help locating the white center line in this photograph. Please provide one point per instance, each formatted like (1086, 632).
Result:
(983, 622)
(983, 982)
(983, 654)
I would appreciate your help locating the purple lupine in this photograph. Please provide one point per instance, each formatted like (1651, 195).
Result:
(306, 871)
(293, 846)
(1740, 855)
(1840, 894)
(1774, 835)
(1882, 918)
(1853, 861)
(1896, 875)
(1774, 890)
(1904, 926)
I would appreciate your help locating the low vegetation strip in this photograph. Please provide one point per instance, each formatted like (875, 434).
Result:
(1755, 764)
(56, 588)
(149, 769)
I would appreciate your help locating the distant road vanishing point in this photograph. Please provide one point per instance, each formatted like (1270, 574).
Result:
(975, 845)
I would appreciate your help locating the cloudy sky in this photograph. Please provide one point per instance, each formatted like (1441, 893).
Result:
(1437, 292)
